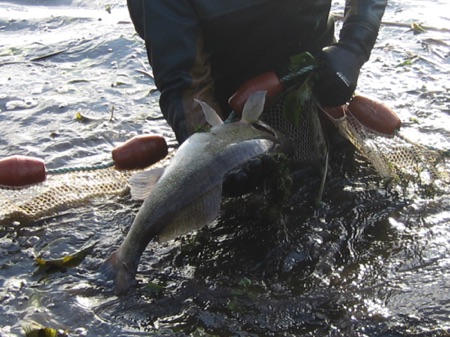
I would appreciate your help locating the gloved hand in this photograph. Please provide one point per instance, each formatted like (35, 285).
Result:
(338, 75)
(245, 179)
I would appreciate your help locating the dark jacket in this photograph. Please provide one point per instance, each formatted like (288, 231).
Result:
(206, 48)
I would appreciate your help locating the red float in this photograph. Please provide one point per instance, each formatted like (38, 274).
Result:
(139, 152)
(268, 82)
(374, 114)
(19, 171)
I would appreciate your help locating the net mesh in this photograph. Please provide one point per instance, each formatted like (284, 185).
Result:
(305, 136)
(59, 192)
(395, 156)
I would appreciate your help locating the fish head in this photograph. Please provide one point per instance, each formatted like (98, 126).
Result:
(248, 127)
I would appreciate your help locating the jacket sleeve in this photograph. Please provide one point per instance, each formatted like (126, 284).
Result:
(361, 24)
(174, 43)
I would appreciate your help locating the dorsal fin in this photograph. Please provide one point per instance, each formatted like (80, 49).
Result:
(254, 107)
(211, 116)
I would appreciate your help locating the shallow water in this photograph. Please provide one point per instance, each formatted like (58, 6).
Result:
(369, 261)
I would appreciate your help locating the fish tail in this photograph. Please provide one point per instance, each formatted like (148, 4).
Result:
(118, 271)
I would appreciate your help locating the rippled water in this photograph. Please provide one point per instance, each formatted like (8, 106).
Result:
(369, 261)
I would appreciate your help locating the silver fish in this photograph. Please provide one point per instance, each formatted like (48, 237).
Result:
(187, 194)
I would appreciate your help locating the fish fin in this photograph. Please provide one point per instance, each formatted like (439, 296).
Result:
(199, 213)
(211, 116)
(142, 183)
(254, 107)
(119, 272)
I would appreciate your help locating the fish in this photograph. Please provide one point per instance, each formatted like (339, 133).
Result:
(186, 195)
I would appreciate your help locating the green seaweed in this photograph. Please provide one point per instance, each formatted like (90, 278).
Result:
(299, 79)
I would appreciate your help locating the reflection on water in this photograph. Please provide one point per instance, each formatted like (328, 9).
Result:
(369, 261)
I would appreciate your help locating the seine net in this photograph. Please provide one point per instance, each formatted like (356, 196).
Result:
(305, 134)
(59, 192)
(393, 157)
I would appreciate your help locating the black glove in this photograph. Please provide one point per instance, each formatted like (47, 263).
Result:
(248, 177)
(338, 75)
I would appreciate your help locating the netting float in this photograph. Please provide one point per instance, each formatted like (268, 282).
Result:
(137, 153)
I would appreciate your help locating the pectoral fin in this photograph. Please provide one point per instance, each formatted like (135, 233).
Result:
(200, 212)
(142, 183)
